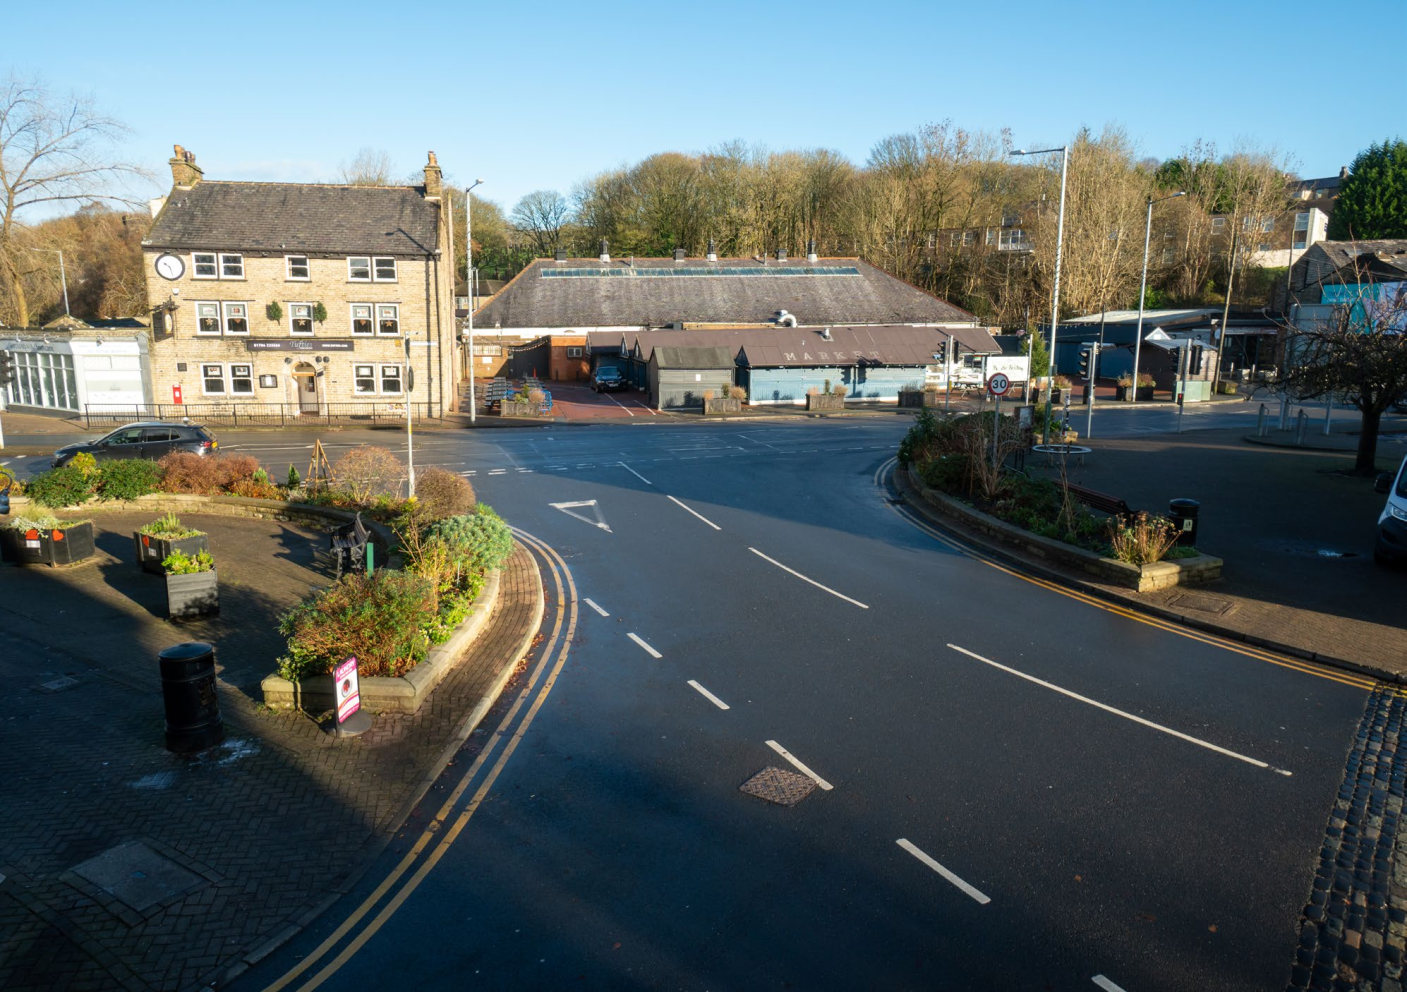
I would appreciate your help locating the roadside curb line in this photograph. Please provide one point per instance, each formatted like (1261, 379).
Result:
(913, 500)
(377, 844)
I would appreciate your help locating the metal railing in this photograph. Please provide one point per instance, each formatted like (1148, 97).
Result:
(99, 415)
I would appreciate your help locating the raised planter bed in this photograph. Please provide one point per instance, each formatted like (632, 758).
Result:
(192, 595)
(45, 546)
(1143, 578)
(825, 402)
(722, 404)
(152, 551)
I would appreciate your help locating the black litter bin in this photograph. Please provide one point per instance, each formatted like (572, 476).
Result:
(1184, 516)
(188, 691)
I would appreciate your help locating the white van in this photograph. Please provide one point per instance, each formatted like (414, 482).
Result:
(1391, 545)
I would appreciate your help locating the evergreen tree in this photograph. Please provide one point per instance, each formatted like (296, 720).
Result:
(1373, 199)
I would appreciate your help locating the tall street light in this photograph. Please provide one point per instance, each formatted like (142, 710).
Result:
(1064, 151)
(469, 286)
(1143, 287)
(63, 279)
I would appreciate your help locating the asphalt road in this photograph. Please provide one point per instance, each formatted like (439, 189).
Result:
(1015, 789)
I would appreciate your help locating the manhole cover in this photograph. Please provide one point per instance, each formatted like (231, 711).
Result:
(1205, 604)
(137, 876)
(777, 785)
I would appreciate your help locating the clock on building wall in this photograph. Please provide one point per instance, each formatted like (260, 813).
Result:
(170, 266)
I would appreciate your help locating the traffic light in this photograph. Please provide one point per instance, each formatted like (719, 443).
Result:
(7, 368)
(1195, 360)
(1085, 355)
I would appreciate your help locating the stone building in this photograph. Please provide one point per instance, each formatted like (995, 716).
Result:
(288, 299)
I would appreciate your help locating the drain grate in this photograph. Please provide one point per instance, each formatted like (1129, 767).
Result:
(1204, 604)
(778, 785)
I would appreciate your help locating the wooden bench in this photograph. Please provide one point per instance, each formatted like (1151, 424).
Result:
(1103, 502)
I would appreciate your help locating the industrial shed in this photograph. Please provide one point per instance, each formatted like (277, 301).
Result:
(678, 377)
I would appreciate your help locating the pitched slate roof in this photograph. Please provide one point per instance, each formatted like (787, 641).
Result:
(693, 358)
(586, 292)
(760, 347)
(297, 217)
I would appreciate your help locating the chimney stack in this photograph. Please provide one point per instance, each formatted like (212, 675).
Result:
(678, 255)
(605, 250)
(184, 171)
(434, 179)
(712, 251)
(781, 254)
(811, 250)
(560, 255)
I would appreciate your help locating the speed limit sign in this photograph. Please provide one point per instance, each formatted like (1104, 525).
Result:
(998, 384)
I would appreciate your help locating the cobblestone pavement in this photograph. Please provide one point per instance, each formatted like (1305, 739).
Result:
(123, 866)
(1354, 930)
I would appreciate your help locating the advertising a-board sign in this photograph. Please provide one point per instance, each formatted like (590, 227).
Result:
(349, 699)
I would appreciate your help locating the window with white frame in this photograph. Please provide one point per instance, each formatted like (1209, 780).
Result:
(574, 351)
(300, 318)
(991, 237)
(213, 378)
(1012, 239)
(388, 318)
(384, 269)
(204, 265)
(364, 378)
(1301, 239)
(231, 266)
(1267, 226)
(207, 318)
(1218, 224)
(361, 318)
(242, 379)
(298, 268)
(359, 268)
(391, 379)
(236, 317)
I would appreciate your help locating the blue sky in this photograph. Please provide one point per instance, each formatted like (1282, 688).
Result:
(543, 95)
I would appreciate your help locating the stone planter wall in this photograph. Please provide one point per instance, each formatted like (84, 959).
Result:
(1143, 578)
(519, 408)
(824, 402)
(722, 405)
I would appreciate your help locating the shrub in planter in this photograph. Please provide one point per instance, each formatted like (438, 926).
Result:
(440, 493)
(377, 618)
(46, 540)
(192, 585)
(67, 486)
(478, 542)
(187, 472)
(366, 472)
(163, 537)
(128, 478)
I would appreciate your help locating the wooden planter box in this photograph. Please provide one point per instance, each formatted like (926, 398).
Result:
(195, 594)
(152, 551)
(825, 402)
(723, 404)
(1123, 393)
(61, 546)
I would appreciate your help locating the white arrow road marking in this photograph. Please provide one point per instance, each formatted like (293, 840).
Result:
(1118, 712)
(709, 696)
(977, 894)
(826, 786)
(596, 521)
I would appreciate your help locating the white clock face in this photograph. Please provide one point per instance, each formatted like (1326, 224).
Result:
(170, 267)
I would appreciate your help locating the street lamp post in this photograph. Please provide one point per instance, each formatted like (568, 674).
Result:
(1143, 288)
(1064, 151)
(63, 278)
(469, 286)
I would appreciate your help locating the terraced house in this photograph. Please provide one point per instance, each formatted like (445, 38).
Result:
(289, 301)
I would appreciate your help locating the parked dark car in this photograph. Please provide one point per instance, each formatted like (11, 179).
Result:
(148, 440)
(607, 379)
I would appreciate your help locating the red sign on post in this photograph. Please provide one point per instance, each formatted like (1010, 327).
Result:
(349, 699)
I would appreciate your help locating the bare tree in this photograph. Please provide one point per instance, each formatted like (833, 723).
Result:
(369, 167)
(541, 214)
(49, 154)
(1358, 351)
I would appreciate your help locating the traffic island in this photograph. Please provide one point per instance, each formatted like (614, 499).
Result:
(1151, 577)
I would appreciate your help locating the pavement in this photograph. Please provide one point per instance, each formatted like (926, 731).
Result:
(125, 866)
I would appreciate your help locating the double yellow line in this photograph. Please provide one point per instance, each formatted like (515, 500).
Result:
(451, 819)
(882, 479)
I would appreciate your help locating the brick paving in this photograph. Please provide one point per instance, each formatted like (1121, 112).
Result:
(260, 831)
